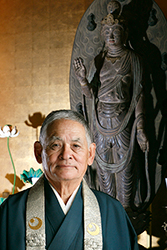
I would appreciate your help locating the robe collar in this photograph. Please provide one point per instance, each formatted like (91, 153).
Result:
(35, 218)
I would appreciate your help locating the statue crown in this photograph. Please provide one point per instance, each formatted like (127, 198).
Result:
(111, 20)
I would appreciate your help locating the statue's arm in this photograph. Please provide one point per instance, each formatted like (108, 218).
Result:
(140, 111)
(80, 72)
(140, 115)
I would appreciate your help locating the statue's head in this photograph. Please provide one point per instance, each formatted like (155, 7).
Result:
(113, 26)
(113, 30)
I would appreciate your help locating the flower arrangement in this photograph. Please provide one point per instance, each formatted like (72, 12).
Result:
(8, 132)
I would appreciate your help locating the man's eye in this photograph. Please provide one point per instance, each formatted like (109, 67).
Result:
(76, 146)
(55, 146)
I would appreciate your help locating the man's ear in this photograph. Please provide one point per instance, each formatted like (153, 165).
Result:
(38, 151)
(92, 151)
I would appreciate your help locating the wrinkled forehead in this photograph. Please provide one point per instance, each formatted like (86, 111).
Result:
(65, 127)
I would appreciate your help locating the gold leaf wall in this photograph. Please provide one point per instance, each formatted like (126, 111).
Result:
(36, 39)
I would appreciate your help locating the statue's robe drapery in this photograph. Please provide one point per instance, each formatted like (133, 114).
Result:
(114, 100)
(115, 111)
(65, 231)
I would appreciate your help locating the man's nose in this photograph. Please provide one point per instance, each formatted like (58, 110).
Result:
(66, 152)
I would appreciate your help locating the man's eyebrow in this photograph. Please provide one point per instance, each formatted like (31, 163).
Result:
(54, 138)
(76, 140)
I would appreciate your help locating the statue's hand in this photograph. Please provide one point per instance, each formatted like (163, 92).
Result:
(80, 71)
(142, 140)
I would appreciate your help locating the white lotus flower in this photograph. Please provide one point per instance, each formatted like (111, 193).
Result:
(7, 131)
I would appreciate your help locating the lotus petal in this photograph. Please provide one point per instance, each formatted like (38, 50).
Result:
(2, 135)
(15, 134)
(13, 131)
(27, 176)
(6, 129)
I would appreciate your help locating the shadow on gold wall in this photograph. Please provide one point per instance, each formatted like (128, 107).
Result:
(35, 121)
(19, 185)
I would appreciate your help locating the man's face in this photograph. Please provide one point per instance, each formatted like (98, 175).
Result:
(66, 153)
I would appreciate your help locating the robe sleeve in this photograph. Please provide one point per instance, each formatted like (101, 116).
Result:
(12, 222)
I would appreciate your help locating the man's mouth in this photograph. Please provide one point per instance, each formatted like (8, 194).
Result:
(64, 166)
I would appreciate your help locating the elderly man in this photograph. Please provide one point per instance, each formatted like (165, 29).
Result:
(60, 212)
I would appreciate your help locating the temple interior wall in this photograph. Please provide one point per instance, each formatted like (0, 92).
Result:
(36, 40)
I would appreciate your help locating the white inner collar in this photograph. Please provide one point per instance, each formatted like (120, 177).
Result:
(65, 207)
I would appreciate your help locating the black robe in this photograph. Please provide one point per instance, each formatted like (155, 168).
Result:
(65, 232)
